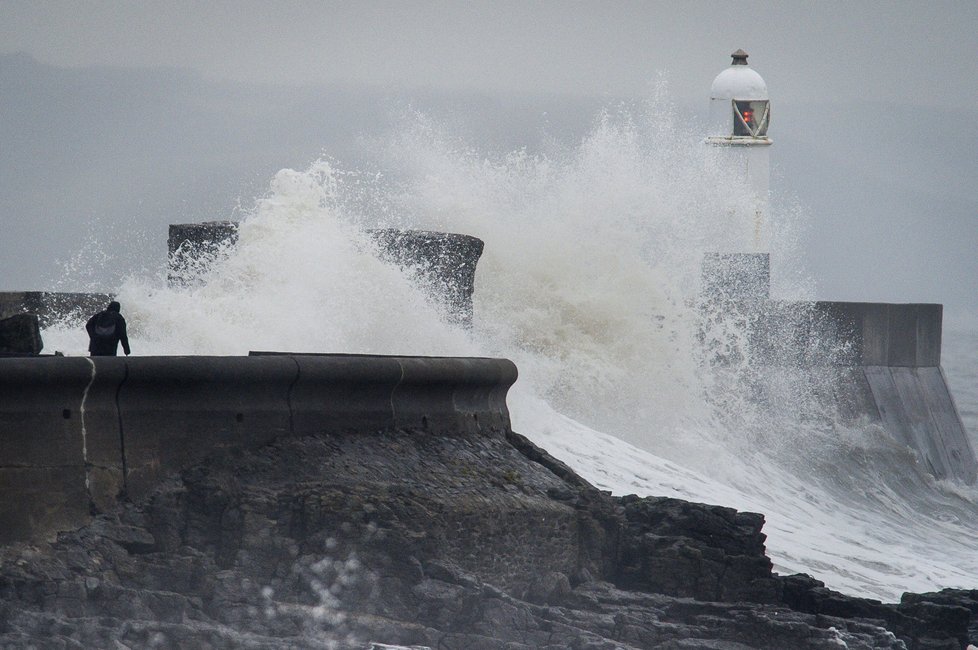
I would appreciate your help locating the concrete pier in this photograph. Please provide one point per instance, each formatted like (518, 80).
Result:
(883, 360)
(892, 366)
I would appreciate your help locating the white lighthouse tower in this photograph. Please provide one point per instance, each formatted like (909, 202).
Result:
(740, 112)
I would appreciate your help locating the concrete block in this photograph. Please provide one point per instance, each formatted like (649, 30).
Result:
(193, 246)
(948, 429)
(884, 334)
(338, 393)
(875, 332)
(917, 419)
(853, 397)
(20, 334)
(917, 410)
(901, 335)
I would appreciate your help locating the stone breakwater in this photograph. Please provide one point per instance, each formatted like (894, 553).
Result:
(406, 536)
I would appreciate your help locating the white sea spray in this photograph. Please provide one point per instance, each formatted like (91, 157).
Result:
(590, 283)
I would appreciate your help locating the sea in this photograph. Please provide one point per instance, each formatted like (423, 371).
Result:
(590, 282)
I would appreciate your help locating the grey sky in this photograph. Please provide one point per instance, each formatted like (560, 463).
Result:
(890, 190)
(923, 52)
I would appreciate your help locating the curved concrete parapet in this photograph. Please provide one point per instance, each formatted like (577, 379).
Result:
(78, 433)
(459, 395)
(192, 246)
(343, 393)
(363, 393)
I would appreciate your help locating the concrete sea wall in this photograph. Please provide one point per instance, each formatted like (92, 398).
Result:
(77, 433)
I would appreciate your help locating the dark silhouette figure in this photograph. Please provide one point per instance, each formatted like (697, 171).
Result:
(105, 330)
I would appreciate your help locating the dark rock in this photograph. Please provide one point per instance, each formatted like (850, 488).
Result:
(20, 335)
(414, 540)
(700, 551)
(132, 538)
(958, 598)
(942, 620)
(550, 589)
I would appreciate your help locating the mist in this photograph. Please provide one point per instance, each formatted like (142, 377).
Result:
(96, 162)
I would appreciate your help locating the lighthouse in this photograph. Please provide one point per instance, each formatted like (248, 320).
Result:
(740, 112)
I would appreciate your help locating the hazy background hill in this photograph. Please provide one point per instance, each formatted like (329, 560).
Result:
(118, 154)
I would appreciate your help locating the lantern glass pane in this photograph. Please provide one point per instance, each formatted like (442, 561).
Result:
(751, 118)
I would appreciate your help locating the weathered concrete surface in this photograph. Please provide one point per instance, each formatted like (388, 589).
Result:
(895, 352)
(408, 538)
(915, 407)
(20, 335)
(194, 246)
(78, 433)
(887, 334)
(443, 263)
(60, 456)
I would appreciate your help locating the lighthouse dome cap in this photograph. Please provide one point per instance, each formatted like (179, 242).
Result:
(739, 81)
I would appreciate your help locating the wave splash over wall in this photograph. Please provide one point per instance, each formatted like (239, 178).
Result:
(590, 282)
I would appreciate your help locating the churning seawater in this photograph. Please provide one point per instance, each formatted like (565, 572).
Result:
(590, 283)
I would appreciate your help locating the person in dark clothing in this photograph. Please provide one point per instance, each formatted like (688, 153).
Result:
(105, 330)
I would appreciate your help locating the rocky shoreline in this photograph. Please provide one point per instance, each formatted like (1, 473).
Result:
(406, 538)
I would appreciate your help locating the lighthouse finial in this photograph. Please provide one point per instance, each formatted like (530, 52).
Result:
(739, 58)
